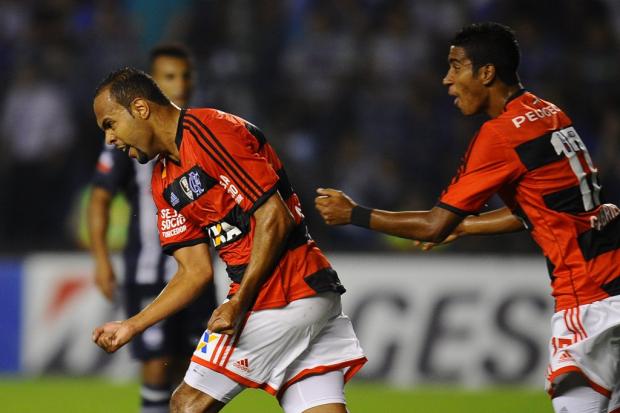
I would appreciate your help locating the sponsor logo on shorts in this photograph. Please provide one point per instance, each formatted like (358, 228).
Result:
(203, 345)
(243, 365)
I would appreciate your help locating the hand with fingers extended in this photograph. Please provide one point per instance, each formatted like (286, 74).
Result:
(225, 319)
(334, 206)
(113, 335)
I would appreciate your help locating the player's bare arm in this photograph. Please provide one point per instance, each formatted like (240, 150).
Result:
(194, 272)
(273, 225)
(499, 221)
(98, 220)
(503, 221)
(336, 208)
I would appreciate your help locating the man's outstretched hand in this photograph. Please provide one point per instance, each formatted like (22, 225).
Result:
(334, 206)
(113, 335)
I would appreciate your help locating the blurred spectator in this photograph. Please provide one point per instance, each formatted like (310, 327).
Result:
(37, 131)
(350, 90)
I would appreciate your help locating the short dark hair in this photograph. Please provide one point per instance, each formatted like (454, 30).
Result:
(491, 43)
(171, 50)
(128, 84)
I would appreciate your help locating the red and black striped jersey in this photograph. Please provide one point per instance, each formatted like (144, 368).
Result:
(227, 170)
(533, 158)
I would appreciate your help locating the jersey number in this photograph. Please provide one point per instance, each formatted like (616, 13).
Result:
(568, 142)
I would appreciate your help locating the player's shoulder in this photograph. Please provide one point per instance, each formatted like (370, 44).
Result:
(523, 116)
(214, 116)
(225, 125)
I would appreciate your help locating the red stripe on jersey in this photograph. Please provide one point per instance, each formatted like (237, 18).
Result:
(226, 155)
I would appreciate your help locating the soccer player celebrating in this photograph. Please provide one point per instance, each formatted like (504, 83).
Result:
(531, 155)
(218, 180)
(164, 348)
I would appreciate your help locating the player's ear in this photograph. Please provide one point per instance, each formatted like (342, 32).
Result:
(487, 74)
(140, 108)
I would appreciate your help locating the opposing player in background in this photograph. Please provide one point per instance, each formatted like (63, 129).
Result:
(218, 180)
(530, 154)
(164, 348)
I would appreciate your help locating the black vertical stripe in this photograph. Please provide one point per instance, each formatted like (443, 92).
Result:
(284, 185)
(249, 192)
(225, 152)
(550, 269)
(519, 212)
(179, 136)
(257, 133)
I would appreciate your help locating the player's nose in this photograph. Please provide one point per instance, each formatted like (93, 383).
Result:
(110, 138)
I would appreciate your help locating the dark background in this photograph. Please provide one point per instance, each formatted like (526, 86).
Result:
(348, 92)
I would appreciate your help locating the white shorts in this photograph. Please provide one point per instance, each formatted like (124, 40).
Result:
(278, 347)
(586, 340)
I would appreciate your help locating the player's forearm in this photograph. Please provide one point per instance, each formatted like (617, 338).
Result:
(98, 222)
(182, 289)
(416, 225)
(499, 221)
(272, 226)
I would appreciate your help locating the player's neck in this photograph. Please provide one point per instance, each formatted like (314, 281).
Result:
(167, 121)
(499, 96)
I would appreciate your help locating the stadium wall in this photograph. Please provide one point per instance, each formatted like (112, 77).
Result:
(422, 319)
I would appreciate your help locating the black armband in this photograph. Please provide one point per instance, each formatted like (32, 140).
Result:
(360, 216)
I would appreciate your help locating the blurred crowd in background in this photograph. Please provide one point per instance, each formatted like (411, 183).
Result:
(348, 92)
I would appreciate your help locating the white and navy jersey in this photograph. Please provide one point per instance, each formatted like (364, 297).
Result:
(144, 261)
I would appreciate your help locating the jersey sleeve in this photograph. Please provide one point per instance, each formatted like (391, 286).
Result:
(488, 165)
(113, 170)
(175, 231)
(233, 151)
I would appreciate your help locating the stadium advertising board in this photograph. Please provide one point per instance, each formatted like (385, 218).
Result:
(60, 309)
(10, 315)
(422, 319)
(436, 319)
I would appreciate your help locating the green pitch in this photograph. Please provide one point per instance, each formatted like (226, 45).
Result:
(84, 395)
